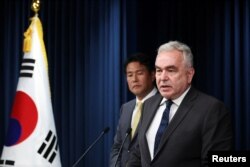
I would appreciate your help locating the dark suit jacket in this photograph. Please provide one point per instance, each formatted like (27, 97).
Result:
(201, 124)
(123, 124)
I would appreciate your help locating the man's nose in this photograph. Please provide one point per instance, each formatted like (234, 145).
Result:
(164, 75)
(134, 78)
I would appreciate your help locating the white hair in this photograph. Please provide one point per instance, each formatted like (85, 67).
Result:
(176, 45)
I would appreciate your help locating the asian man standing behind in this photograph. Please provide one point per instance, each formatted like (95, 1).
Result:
(140, 74)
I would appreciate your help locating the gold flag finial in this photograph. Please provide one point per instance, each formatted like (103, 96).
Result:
(35, 5)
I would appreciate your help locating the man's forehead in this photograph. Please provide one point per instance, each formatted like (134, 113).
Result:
(142, 68)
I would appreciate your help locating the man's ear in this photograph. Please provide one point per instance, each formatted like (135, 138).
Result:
(190, 73)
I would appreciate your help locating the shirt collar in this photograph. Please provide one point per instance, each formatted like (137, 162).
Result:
(153, 92)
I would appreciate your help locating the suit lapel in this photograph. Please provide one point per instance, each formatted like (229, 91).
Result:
(130, 110)
(151, 110)
(180, 114)
(148, 116)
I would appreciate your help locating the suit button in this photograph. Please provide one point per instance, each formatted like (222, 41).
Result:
(128, 151)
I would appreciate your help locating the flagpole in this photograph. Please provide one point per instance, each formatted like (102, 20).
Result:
(31, 124)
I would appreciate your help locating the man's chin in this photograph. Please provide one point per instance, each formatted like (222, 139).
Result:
(136, 92)
(165, 94)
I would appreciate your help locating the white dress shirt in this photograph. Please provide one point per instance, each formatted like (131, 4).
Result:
(153, 128)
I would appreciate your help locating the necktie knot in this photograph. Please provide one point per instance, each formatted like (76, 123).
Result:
(138, 105)
(168, 104)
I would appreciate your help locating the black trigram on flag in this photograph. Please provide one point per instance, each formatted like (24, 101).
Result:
(49, 147)
(27, 68)
(4, 163)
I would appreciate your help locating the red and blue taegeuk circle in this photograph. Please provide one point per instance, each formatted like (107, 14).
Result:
(23, 120)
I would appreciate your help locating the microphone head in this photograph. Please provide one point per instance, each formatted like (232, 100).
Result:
(128, 130)
(105, 130)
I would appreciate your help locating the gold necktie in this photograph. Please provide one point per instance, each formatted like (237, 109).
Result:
(136, 117)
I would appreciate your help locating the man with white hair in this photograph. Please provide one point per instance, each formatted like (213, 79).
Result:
(180, 125)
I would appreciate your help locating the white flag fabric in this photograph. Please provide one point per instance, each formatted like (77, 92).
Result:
(31, 138)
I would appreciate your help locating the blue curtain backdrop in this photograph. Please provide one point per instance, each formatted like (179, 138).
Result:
(87, 42)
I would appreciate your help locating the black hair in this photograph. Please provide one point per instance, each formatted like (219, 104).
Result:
(147, 61)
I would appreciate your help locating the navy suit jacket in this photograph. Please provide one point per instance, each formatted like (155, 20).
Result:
(201, 124)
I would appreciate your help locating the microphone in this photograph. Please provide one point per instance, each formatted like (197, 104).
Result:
(119, 152)
(105, 130)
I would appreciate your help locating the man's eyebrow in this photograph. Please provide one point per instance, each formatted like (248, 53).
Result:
(139, 70)
(167, 67)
